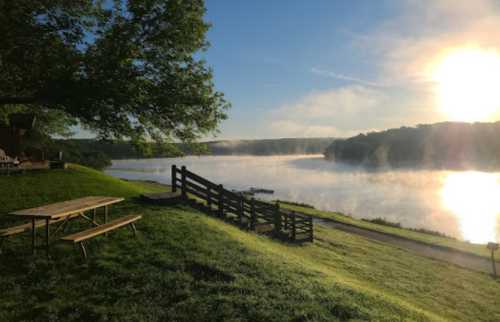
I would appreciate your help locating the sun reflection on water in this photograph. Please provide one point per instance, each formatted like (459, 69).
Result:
(474, 197)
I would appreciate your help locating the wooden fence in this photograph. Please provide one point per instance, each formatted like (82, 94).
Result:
(247, 213)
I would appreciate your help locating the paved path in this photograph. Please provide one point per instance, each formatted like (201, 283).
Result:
(463, 259)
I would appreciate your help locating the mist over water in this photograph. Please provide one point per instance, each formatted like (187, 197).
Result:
(462, 204)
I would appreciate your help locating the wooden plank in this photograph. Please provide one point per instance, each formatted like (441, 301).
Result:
(232, 209)
(201, 180)
(195, 185)
(24, 227)
(101, 229)
(18, 229)
(61, 205)
(65, 208)
(264, 205)
(232, 195)
(195, 192)
(232, 202)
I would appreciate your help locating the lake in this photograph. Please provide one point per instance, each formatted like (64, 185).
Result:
(462, 204)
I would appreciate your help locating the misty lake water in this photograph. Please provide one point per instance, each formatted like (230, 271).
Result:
(462, 204)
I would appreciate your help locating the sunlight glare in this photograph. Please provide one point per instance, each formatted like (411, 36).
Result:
(474, 198)
(468, 83)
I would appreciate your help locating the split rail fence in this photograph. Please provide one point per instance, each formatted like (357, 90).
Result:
(247, 213)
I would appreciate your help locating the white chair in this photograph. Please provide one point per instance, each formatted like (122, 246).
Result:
(4, 158)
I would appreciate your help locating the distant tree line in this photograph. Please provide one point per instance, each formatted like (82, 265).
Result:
(99, 153)
(270, 146)
(451, 145)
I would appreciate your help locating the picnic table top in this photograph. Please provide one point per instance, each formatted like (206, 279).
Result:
(66, 208)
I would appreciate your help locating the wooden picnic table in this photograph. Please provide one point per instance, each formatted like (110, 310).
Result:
(64, 211)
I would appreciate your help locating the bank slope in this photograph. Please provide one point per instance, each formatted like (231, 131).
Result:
(34, 188)
(423, 237)
(186, 266)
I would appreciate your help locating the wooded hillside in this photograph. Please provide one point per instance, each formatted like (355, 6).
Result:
(441, 145)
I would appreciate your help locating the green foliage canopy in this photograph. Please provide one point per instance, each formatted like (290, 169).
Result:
(125, 69)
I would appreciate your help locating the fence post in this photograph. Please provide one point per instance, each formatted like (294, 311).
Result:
(174, 178)
(311, 236)
(240, 210)
(209, 198)
(253, 219)
(494, 264)
(221, 200)
(183, 180)
(277, 218)
(493, 247)
(293, 226)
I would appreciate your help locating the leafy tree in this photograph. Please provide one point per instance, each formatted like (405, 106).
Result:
(125, 69)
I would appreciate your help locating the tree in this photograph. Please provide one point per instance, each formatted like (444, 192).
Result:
(125, 69)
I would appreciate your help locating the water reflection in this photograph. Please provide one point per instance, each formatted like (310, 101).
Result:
(459, 204)
(474, 198)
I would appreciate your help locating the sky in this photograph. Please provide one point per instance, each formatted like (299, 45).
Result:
(336, 68)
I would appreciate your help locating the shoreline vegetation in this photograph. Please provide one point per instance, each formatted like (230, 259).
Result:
(186, 266)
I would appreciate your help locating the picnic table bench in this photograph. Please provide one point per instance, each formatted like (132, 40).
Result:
(82, 236)
(59, 212)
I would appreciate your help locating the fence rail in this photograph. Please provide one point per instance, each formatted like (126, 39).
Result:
(248, 213)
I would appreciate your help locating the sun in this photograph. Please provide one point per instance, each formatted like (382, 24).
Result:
(468, 84)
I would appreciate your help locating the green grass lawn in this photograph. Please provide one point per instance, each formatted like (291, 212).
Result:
(39, 187)
(186, 266)
(476, 249)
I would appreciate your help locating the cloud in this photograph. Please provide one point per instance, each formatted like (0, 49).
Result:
(404, 49)
(326, 73)
(345, 111)
(294, 128)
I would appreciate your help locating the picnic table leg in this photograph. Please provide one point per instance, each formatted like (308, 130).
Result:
(94, 214)
(84, 251)
(61, 226)
(47, 235)
(105, 217)
(134, 230)
(33, 236)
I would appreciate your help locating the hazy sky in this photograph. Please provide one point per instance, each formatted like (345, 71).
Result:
(338, 67)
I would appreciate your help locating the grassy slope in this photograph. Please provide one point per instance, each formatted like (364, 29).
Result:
(476, 249)
(187, 266)
(36, 188)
